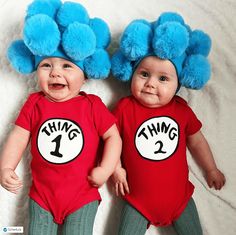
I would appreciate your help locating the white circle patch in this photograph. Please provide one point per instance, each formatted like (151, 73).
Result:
(60, 140)
(157, 138)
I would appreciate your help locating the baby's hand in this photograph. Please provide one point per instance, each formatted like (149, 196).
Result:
(120, 181)
(215, 178)
(10, 181)
(98, 176)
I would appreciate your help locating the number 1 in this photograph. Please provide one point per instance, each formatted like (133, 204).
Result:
(56, 153)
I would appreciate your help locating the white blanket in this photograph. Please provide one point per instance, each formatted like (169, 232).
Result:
(214, 105)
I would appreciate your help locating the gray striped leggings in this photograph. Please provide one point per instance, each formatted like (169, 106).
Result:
(78, 223)
(133, 223)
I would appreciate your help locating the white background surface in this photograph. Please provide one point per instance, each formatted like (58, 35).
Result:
(214, 105)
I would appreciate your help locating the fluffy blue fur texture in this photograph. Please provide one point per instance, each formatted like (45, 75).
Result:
(196, 72)
(53, 29)
(170, 38)
(142, 21)
(169, 17)
(47, 7)
(102, 32)
(41, 34)
(56, 3)
(71, 12)
(136, 40)
(98, 65)
(79, 41)
(200, 43)
(20, 57)
(178, 63)
(121, 67)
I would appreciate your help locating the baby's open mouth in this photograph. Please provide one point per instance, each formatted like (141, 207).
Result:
(56, 86)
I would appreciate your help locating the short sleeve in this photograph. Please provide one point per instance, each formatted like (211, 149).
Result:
(103, 118)
(24, 118)
(117, 111)
(194, 124)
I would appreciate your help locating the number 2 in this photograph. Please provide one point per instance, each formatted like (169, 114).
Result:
(160, 147)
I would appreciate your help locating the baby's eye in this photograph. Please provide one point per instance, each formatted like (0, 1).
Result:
(46, 65)
(144, 74)
(66, 66)
(163, 79)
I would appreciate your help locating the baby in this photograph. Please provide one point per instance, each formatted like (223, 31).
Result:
(63, 124)
(156, 125)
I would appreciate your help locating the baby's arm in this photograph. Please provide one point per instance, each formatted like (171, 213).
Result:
(111, 153)
(200, 150)
(10, 157)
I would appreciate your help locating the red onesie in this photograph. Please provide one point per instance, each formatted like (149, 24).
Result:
(154, 155)
(64, 144)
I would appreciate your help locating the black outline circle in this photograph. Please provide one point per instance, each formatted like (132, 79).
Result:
(60, 119)
(175, 147)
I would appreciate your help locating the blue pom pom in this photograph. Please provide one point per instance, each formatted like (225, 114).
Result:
(41, 35)
(121, 68)
(188, 28)
(78, 41)
(47, 7)
(102, 32)
(98, 65)
(142, 21)
(196, 72)
(170, 40)
(199, 43)
(136, 40)
(169, 16)
(20, 57)
(71, 12)
(56, 3)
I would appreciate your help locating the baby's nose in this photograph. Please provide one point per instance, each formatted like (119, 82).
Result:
(151, 82)
(55, 72)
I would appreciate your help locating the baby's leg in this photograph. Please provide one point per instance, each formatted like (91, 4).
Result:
(132, 222)
(81, 221)
(188, 222)
(41, 221)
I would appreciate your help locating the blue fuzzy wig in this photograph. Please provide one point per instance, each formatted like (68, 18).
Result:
(65, 30)
(168, 38)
